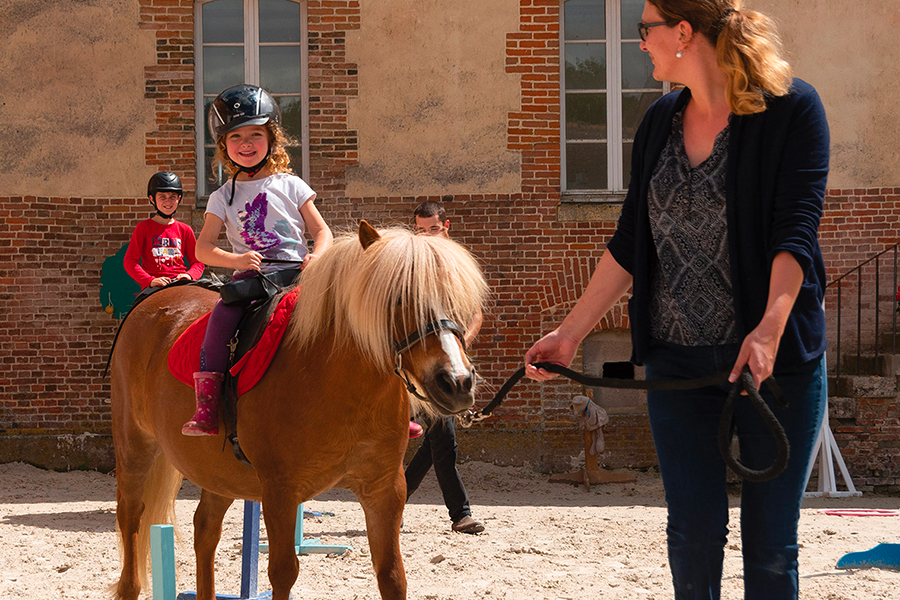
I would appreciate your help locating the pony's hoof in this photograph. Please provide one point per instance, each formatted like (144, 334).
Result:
(194, 430)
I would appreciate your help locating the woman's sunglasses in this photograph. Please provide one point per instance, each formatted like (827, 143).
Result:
(644, 28)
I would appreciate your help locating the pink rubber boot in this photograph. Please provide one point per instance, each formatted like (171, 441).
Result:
(415, 430)
(208, 387)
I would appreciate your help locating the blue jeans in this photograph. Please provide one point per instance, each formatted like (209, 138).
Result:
(685, 430)
(439, 447)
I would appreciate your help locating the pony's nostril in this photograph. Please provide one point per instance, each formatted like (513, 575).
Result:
(446, 383)
(452, 386)
(467, 382)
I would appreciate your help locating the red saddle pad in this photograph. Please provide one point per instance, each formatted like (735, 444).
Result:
(184, 357)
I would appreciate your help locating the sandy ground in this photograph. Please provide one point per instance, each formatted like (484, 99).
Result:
(543, 541)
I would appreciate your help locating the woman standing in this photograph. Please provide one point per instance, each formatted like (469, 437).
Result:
(718, 240)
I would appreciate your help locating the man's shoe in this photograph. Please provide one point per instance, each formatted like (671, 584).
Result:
(467, 525)
(415, 430)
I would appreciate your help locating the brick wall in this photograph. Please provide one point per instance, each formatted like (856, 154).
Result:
(536, 262)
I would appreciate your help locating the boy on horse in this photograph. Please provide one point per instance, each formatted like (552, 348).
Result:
(160, 245)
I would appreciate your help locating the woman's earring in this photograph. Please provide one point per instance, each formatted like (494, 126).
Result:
(679, 54)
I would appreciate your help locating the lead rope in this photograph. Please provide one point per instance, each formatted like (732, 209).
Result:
(726, 424)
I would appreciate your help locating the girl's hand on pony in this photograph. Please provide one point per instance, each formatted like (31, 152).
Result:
(308, 259)
(248, 261)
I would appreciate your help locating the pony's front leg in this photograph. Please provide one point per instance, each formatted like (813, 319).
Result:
(280, 515)
(207, 531)
(384, 512)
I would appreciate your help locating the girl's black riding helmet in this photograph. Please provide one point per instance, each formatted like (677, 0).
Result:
(240, 106)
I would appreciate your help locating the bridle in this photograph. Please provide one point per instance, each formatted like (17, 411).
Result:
(416, 336)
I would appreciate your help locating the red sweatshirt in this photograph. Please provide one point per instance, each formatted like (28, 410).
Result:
(160, 251)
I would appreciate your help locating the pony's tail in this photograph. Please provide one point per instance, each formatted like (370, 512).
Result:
(160, 488)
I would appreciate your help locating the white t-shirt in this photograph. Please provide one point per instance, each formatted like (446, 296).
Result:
(265, 217)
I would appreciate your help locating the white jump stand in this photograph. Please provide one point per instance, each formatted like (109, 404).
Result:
(827, 452)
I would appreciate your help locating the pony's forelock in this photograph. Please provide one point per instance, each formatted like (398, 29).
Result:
(356, 291)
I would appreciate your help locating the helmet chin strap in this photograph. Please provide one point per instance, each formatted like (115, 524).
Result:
(251, 171)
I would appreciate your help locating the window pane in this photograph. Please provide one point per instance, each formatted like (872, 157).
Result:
(585, 116)
(279, 69)
(223, 22)
(222, 68)
(585, 66)
(213, 182)
(586, 166)
(631, 16)
(279, 21)
(207, 104)
(291, 117)
(585, 20)
(626, 163)
(634, 105)
(296, 154)
(637, 68)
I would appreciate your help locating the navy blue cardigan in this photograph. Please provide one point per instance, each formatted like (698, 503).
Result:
(775, 188)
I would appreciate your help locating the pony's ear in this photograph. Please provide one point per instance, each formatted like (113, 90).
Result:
(367, 234)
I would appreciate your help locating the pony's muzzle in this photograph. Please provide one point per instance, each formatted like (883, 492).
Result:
(453, 392)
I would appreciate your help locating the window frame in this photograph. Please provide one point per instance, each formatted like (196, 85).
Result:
(251, 46)
(617, 187)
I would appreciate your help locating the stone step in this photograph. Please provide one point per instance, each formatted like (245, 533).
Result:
(864, 386)
(885, 365)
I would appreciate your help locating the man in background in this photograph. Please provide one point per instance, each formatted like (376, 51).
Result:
(439, 444)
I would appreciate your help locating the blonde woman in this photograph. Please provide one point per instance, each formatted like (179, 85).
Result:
(718, 241)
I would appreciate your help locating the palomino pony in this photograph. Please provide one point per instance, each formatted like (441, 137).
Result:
(329, 412)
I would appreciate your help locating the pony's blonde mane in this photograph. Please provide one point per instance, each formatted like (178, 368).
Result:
(355, 292)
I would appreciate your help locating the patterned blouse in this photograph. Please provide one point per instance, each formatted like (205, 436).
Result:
(691, 300)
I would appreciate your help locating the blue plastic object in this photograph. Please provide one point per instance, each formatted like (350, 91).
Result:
(882, 556)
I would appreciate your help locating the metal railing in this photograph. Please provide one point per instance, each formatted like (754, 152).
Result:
(870, 310)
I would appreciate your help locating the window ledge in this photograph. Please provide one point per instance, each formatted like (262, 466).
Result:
(580, 207)
(593, 196)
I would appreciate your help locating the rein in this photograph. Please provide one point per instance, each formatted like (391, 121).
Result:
(726, 424)
(411, 340)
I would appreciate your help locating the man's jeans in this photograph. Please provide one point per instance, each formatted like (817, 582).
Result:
(685, 430)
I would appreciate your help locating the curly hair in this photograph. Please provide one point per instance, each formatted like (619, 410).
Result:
(748, 48)
(278, 162)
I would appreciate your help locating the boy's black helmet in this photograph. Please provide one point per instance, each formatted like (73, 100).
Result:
(164, 181)
(240, 106)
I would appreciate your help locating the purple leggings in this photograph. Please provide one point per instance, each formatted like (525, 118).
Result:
(223, 322)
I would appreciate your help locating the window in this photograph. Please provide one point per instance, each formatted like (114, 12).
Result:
(607, 83)
(260, 42)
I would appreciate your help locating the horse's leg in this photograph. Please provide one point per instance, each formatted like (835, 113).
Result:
(280, 515)
(207, 531)
(132, 468)
(384, 512)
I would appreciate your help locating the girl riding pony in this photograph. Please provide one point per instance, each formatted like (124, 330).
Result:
(267, 213)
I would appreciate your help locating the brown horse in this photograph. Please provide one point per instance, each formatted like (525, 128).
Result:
(329, 411)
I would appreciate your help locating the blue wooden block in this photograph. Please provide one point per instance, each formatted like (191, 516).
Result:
(162, 556)
(882, 556)
(162, 561)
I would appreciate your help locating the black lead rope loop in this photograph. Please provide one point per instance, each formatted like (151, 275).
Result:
(726, 428)
(726, 424)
